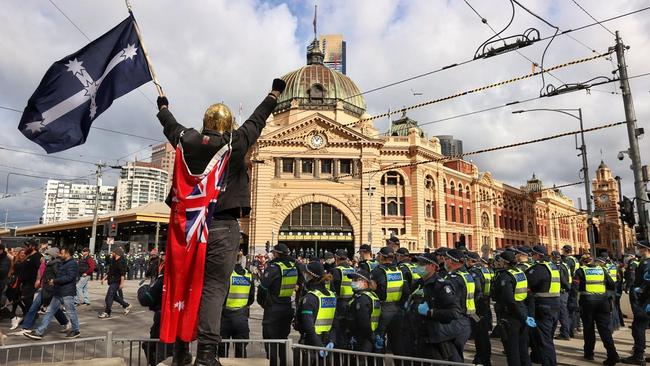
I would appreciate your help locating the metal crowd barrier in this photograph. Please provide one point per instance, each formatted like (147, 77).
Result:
(137, 352)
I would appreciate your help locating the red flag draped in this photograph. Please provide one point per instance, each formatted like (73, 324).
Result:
(193, 199)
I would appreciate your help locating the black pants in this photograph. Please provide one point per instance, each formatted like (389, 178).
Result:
(514, 336)
(156, 352)
(597, 312)
(234, 324)
(546, 314)
(220, 258)
(276, 324)
(114, 293)
(27, 296)
(481, 334)
(363, 345)
(639, 328)
(390, 324)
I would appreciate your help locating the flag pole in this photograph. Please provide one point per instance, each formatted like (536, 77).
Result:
(144, 51)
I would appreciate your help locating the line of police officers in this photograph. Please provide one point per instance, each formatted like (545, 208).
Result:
(431, 308)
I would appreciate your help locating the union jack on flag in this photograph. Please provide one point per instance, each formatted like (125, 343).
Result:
(194, 197)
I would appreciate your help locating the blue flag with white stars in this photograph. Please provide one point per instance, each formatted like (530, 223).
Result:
(78, 88)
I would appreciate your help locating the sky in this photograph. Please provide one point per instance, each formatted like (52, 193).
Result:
(208, 51)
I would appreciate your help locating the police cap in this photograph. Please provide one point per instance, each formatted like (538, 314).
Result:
(359, 274)
(643, 244)
(539, 249)
(315, 269)
(341, 254)
(402, 251)
(364, 248)
(455, 255)
(427, 258)
(509, 256)
(281, 248)
(387, 252)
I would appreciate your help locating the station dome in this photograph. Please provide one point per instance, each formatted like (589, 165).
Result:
(317, 87)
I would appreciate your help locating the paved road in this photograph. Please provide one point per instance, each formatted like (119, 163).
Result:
(137, 323)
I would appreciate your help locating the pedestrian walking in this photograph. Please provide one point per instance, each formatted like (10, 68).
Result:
(86, 269)
(115, 278)
(64, 293)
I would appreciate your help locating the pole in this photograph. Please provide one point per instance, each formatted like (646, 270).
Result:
(635, 155)
(144, 51)
(93, 233)
(585, 171)
(157, 235)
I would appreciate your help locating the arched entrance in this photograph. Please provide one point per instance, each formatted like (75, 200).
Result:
(315, 227)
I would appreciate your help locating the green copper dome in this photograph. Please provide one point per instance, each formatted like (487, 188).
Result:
(317, 87)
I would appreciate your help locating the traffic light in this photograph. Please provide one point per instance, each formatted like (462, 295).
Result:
(627, 212)
(112, 229)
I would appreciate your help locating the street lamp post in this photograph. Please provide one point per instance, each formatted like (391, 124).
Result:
(585, 167)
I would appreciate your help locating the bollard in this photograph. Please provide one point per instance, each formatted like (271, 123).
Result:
(109, 344)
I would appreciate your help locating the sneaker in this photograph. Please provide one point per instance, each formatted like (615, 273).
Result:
(34, 335)
(20, 332)
(634, 360)
(72, 334)
(66, 328)
(611, 361)
(127, 309)
(562, 338)
(15, 321)
(42, 310)
(104, 315)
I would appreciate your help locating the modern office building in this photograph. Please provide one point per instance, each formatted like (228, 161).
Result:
(162, 156)
(68, 201)
(333, 47)
(141, 183)
(449, 146)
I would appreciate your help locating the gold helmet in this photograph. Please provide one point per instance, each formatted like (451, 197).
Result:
(218, 118)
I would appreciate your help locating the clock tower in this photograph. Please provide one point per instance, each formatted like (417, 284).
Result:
(605, 193)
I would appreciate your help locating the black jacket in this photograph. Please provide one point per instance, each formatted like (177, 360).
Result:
(198, 150)
(65, 283)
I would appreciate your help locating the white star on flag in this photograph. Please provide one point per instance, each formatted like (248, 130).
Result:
(130, 51)
(180, 305)
(75, 66)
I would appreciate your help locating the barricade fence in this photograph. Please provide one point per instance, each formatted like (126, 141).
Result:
(141, 351)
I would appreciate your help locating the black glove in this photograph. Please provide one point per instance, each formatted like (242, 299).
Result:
(278, 85)
(162, 101)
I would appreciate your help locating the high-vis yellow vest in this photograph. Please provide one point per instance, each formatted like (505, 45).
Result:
(410, 267)
(554, 288)
(376, 309)
(346, 284)
(487, 276)
(394, 284)
(240, 288)
(521, 287)
(470, 287)
(326, 310)
(594, 281)
(372, 264)
(613, 271)
(289, 279)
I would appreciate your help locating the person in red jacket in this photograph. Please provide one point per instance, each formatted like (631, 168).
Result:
(86, 269)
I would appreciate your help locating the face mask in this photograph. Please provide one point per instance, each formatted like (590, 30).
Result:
(638, 252)
(271, 256)
(330, 261)
(307, 277)
(358, 286)
(420, 271)
(447, 267)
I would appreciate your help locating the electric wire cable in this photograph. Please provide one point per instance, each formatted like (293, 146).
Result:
(592, 17)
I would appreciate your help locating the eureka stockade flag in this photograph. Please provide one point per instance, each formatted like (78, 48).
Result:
(78, 88)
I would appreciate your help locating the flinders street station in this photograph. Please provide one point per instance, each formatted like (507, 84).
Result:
(323, 177)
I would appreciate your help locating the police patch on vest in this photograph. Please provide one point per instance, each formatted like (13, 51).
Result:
(240, 281)
(520, 277)
(593, 271)
(376, 304)
(328, 302)
(394, 276)
(347, 271)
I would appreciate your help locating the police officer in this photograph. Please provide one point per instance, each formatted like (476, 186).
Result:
(591, 283)
(523, 257)
(565, 280)
(366, 262)
(513, 308)
(274, 295)
(477, 267)
(544, 282)
(574, 310)
(434, 309)
(405, 265)
(362, 318)
(234, 318)
(315, 310)
(341, 286)
(640, 301)
(393, 291)
(441, 254)
(464, 286)
(328, 261)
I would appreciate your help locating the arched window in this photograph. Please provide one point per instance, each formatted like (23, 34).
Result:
(485, 220)
(452, 188)
(392, 179)
(467, 195)
(444, 185)
(429, 197)
(316, 92)
(460, 189)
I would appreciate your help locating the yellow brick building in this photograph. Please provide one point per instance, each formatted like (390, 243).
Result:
(316, 183)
